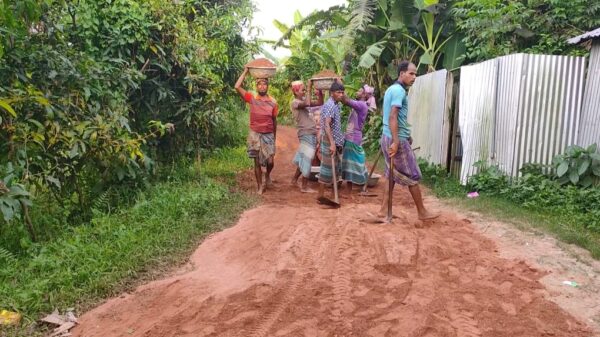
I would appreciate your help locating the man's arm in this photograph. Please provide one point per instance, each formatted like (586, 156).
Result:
(238, 84)
(308, 102)
(329, 134)
(319, 100)
(275, 113)
(351, 103)
(393, 123)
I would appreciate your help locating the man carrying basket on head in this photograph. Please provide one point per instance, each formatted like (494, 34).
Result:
(263, 128)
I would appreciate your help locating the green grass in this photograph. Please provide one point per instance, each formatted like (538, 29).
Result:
(565, 227)
(114, 252)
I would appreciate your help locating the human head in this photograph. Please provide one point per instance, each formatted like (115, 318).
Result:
(360, 93)
(298, 89)
(336, 91)
(317, 116)
(262, 86)
(367, 91)
(407, 73)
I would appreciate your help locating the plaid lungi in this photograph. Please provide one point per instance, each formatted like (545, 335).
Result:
(406, 168)
(353, 163)
(326, 171)
(261, 146)
(305, 154)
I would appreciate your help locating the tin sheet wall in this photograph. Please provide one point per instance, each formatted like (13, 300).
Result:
(589, 132)
(477, 110)
(519, 109)
(429, 116)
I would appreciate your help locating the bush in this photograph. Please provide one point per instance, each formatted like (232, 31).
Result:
(487, 179)
(89, 262)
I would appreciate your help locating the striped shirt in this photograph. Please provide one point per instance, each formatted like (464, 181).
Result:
(263, 110)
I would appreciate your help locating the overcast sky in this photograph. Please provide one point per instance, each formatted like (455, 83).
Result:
(268, 10)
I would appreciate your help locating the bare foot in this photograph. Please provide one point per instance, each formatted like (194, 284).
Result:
(347, 196)
(262, 188)
(307, 190)
(383, 214)
(428, 215)
(269, 182)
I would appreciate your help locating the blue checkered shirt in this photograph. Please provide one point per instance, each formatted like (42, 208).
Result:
(333, 110)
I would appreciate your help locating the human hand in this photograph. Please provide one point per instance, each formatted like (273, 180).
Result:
(332, 149)
(410, 140)
(393, 149)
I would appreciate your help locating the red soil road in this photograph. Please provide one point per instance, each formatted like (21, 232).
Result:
(292, 268)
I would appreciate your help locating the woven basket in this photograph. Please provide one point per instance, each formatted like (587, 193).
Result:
(323, 83)
(262, 72)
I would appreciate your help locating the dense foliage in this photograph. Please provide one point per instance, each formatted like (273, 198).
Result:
(91, 92)
(499, 27)
(536, 190)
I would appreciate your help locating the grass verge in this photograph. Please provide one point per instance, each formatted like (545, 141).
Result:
(116, 251)
(564, 227)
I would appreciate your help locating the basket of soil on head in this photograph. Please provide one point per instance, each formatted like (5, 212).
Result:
(261, 68)
(324, 79)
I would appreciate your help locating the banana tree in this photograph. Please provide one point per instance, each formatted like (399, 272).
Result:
(429, 43)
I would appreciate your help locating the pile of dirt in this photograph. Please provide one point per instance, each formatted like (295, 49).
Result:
(326, 74)
(261, 63)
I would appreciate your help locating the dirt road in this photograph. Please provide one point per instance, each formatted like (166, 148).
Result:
(292, 268)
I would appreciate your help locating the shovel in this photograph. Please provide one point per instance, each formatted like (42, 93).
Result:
(326, 201)
(364, 192)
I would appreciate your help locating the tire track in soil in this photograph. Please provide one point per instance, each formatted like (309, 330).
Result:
(266, 323)
(341, 278)
(292, 268)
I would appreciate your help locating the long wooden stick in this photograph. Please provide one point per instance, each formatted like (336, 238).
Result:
(364, 189)
(390, 190)
(335, 182)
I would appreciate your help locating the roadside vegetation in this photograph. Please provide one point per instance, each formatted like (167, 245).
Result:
(539, 198)
(120, 130)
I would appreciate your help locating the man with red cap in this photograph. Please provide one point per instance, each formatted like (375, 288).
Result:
(307, 132)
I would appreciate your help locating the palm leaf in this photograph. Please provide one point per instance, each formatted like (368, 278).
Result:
(281, 26)
(316, 18)
(361, 15)
(404, 12)
(369, 57)
(297, 17)
(4, 105)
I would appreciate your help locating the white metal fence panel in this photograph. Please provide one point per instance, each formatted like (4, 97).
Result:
(550, 109)
(477, 110)
(429, 116)
(589, 131)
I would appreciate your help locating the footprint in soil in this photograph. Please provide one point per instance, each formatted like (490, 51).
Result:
(392, 269)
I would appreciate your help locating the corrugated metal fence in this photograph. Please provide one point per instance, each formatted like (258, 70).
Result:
(519, 109)
(511, 111)
(477, 112)
(590, 119)
(429, 115)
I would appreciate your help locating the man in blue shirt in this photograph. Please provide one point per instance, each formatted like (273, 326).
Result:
(396, 140)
